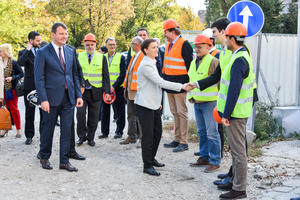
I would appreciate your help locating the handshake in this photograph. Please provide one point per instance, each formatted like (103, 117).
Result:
(189, 86)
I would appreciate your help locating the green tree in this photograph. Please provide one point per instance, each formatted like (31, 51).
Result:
(289, 20)
(187, 20)
(100, 17)
(19, 17)
(149, 14)
(272, 10)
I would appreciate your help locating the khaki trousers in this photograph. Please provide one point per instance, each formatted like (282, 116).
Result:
(236, 134)
(179, 110)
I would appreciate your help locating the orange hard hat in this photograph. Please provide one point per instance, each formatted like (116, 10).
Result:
(236, 29)
(216, 116)
(202, 39)
(170, 23)
(89, 37)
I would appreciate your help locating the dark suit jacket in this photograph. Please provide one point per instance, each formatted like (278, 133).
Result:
(128, 57)
(50, 78)
(26, 59)
(16, 73)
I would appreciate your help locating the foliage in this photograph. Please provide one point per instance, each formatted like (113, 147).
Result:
(100, 17)
(275, 20)
(264, 124)
(289, 20)
(19, 17)
(151, 14)
(216, 9)
(272, 10)
(187, 20)
(104, 18)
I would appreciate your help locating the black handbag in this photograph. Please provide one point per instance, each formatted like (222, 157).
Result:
(20, 88)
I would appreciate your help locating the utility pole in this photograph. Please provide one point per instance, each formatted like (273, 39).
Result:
(298, 61)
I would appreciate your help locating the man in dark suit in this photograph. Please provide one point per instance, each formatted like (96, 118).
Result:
(26, 59)
(58, 89)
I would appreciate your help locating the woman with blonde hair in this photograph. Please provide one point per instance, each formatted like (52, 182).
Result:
(12, 73)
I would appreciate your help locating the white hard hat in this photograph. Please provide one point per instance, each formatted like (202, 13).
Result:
(33, 99)
(208, 32)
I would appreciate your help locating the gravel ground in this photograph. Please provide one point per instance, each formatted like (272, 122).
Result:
(111, 171)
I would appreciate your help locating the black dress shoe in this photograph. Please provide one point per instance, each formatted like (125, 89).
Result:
(157, 164)
(28, 141)
(38, 156)
(233, 194)
(80, 141)
(68, 167)
(46, 164)
(226, 187)
(197, 154)
(151, 171)
(173, 144)
(222, 181)
(102, 136)
(91, 143)
(117, 135)
(76, 156)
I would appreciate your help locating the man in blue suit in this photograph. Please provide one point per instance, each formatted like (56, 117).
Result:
(58, 89)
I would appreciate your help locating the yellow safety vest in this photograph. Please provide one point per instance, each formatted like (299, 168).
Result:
(92, 71)
(210, 93)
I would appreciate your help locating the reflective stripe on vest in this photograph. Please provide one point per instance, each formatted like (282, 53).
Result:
(215, 52)
(173, 61)
(224, 58)
(133, 85)
(243, 107)
(210, 93)
(114, 67)
(92, 71)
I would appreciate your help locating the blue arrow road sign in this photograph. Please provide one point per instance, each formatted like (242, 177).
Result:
(248, 13)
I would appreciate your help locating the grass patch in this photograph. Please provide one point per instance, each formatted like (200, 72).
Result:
(192, 130)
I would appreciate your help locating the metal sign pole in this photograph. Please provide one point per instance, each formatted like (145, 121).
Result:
(298, 61)
(256, 76)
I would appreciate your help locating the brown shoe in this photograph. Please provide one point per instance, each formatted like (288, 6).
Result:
(211, 168)
(200, 162)
(128, 140)
(233, 194)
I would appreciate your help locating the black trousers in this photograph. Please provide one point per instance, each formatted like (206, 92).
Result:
(119, 112)
(221, 132)
(87, 128)
(150, 121)
(66, 113)
(29, 117)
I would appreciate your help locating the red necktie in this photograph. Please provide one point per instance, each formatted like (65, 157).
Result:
(170, 46)
(62, 62)
(61, 59)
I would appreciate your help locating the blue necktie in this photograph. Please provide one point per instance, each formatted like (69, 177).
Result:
(90, 58)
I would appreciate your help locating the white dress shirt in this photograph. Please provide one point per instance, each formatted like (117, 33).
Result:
(57, 50)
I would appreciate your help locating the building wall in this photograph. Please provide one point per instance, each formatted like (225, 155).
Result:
(277, 63)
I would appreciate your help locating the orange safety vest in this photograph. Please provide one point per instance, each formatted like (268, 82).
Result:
(214, 52)
(137, 63)
(173, 62)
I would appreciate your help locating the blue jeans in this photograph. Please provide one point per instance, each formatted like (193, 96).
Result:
(209, 138)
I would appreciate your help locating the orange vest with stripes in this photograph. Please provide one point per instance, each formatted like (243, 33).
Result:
(214, 52)
(137, 63)
(173, 62)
